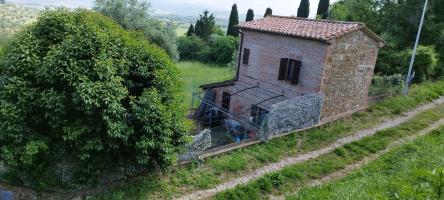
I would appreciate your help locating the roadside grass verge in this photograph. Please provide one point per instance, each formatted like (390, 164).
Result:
(412, 171)
(292, 177)
(195, 74)
(185, 179)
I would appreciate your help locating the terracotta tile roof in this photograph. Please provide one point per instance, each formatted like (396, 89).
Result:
(323, 30)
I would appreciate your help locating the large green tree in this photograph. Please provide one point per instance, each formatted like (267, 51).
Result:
(233, 21)
(191, 30)
(135, 15)
(268, 12)
(250, 15)
(81, 97)
(323, 8)
(304, 9)
(205, 25)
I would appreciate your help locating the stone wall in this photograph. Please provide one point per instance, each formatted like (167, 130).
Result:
(296, 113)
(350, 64)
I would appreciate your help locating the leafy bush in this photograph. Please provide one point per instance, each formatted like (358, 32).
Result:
(219, 49)
(393, 62)
(190, 46)
(425, 62)
(386, 84)
(82, 98)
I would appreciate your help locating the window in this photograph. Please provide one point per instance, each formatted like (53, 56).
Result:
(246, 57)
(289, 70)
(257, 115)
(226, 98)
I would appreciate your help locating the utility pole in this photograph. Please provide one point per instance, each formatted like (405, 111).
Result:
(409, 78)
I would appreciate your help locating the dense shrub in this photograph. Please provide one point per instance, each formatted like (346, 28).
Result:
(219, 49)
(392, 62)
(222, 48)
(425, 62)
(189, 47)
(82, 98)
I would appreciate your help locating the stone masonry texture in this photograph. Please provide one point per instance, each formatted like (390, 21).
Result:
(349, 69)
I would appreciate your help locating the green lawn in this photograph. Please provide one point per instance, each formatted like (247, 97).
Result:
(195, 74)
(292, 177)
(413, 171)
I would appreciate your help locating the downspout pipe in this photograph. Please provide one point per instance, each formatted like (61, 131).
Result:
(240, 54)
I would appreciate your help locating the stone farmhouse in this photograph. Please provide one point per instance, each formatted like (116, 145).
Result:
(295, 73)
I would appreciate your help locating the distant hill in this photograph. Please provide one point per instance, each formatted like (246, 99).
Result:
(13, 17)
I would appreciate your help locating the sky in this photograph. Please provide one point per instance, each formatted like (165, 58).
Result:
(193, 7)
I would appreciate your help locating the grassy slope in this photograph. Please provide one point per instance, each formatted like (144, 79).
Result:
(401, 174)
(291, 177)
(195, 74)
(216, 170)
(13, 17)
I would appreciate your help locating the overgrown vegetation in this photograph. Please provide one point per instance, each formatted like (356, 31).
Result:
(216, 170)
(81, 99)
(413, 171)
(294, 176)
(205, 42)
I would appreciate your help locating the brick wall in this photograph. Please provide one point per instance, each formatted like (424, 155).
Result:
(350, 64)
(266, 51)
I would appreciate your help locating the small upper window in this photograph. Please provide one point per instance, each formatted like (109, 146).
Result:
(246, 57)
(289, 70)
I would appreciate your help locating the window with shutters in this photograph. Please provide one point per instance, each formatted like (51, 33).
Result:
(246, 57)
(289, 70)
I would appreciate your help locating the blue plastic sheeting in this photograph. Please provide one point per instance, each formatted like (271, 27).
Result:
(6, 195)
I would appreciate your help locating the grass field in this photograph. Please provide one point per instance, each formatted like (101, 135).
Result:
(195, 74)
(413, 171)
(218, 169)
(291, 177)
(14, 17)
(181, 31)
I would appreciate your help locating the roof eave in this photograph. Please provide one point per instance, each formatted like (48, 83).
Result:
(283, 34)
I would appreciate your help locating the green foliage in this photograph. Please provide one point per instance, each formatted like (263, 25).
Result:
(134, 15)
(304, 9)
(323, 8)
(382, 85)
(189, 47)
(268, 12)
(190, 31)
(250, 15)
(205, 25)
(425, 62)
(233, 21)
(219, 49)
(222, 49)
(79, 91)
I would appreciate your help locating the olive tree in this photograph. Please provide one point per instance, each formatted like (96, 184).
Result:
(79, 92)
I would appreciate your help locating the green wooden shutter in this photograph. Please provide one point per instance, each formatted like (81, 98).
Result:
(283, 68)
(296, 72)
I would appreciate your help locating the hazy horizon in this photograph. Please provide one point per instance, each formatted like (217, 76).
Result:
(194, 7)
